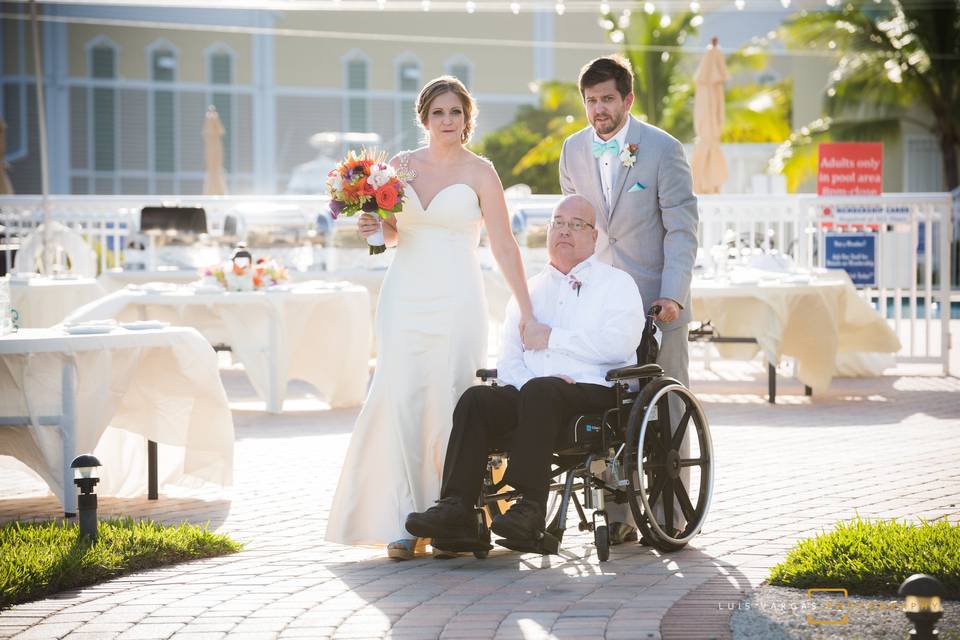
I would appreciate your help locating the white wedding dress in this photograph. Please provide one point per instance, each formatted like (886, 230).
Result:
(432, 334)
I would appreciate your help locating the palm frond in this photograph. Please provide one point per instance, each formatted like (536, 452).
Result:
(548, 150)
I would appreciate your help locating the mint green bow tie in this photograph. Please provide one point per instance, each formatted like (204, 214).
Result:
(599, 148)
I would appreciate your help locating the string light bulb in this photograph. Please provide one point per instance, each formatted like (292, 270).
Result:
(471, 6)
(560, 8)
(649, 7)
(604, 8)
(515, 7)
(695, 7)
(740, 4)
(425, 5)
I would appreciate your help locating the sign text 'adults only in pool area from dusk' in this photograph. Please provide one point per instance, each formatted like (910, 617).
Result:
(850, 169)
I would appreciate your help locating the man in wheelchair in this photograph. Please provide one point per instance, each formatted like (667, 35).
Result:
(590, 319)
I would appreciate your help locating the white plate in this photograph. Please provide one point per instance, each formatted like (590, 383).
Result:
(89, 329)
(140, 325)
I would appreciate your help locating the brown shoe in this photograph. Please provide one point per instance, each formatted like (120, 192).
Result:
(402, 549)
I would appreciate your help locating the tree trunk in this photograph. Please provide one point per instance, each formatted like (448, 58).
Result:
(948, 148)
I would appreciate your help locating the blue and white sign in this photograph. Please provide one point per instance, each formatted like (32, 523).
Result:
(855, 253)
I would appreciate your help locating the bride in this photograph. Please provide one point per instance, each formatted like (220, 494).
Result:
(431, 324)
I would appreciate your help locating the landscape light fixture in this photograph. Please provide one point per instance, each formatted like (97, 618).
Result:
(87, 500)
(921, 604)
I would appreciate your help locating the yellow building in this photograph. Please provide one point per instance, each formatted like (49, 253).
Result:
(127, 87)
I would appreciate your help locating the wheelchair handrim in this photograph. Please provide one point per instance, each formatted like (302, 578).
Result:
(706, 445)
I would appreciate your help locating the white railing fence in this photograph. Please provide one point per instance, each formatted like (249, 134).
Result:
(914, 235)
(107, 222)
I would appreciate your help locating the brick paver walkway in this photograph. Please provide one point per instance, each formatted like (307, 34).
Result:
(885, 447)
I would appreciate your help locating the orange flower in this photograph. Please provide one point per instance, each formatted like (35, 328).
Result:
(366, 188)
(386, 197)
(238, 270)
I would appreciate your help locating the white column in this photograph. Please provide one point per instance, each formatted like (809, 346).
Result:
(57, 101)
(264, 110)
(543, 31)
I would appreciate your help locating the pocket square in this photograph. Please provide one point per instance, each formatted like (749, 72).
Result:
(637, 187)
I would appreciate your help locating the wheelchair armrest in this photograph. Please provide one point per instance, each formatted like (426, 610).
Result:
(487, 374)
(629, 373)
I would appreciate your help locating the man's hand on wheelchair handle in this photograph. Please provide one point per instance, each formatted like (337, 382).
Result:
(536, 336)
(669, 309)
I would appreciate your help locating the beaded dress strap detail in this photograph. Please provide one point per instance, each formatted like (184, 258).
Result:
(405, 173)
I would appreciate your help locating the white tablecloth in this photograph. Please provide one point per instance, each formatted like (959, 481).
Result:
(44, 302)
(116, 279)
(130, 387)
(817, 322)
(316, 332)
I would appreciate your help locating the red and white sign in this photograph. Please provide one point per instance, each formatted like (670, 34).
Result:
(850, 169)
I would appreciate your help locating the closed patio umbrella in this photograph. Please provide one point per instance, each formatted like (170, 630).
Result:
(5, 187)
(709, 166)
(213, 181)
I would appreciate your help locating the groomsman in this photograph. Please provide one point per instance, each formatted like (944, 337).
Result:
(638, 178)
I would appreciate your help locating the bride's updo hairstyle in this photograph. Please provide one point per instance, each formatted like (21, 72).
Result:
(440, 86)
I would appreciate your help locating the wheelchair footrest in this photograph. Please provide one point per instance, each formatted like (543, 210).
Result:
(547, 545)
(461, 545)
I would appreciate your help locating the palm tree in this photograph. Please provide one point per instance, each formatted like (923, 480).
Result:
(892, 59)
(652, 43)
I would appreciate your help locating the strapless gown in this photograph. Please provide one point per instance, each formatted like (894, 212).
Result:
(432, 333)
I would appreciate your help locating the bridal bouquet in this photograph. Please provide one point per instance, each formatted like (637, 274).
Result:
(238, 277)
(365, 183)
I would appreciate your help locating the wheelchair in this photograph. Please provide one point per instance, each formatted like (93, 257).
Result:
(630, 454)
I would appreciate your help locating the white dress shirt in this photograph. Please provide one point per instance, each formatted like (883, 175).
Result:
(594, 328)
(609, 163)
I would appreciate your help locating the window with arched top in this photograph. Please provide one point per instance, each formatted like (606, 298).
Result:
(102, 64)
(220, 73)
(408, 84)
(357, 79)
(461, 69)
(163, 70)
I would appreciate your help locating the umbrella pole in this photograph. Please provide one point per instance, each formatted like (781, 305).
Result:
(42, 122)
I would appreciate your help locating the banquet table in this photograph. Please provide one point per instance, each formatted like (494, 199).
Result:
(318, 332)
(819, 319)
(43, 302)
(110, 393)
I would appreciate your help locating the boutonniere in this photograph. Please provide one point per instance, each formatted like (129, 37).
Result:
(575, 284)
(628, 155)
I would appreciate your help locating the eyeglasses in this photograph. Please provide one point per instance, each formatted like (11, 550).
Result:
(574, 225)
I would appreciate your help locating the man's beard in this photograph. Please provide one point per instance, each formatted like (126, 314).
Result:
(609, 125)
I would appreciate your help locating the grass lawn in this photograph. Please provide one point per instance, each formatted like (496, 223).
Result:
(41, 558)
(874, 557)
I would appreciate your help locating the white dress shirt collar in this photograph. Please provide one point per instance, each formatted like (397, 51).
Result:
(620, 137)
(580, 270)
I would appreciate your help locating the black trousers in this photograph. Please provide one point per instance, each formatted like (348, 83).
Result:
(524, 422)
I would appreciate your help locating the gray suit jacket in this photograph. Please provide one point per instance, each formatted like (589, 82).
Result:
(650, 231)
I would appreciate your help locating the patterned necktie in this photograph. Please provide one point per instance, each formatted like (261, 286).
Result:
(599, 148)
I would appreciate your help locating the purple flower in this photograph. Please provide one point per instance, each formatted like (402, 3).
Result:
(336, 207)
(370, 206)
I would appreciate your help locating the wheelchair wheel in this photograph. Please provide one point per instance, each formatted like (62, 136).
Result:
(601, 537)
(668, 511)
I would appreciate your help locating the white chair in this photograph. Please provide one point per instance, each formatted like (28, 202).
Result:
(71, 251)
